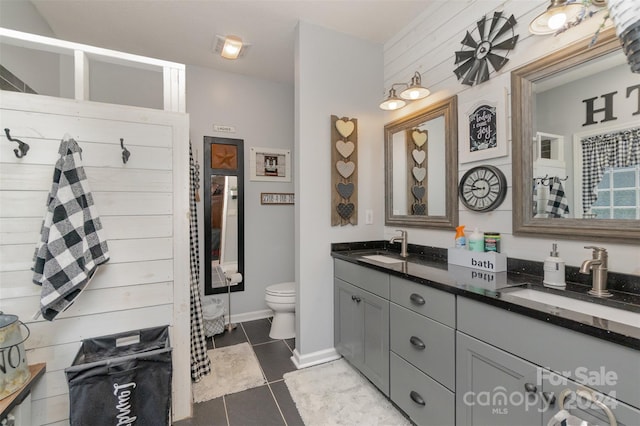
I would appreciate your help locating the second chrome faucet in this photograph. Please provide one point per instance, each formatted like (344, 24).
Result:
(598, 265)
(402, 238)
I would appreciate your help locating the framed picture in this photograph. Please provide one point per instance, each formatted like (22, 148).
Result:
(482, 128)
(276, 198)
(270, 164)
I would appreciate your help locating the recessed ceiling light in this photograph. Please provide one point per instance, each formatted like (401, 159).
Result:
(230, 46)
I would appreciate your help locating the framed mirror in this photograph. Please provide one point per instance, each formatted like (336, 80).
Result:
(223, 212)
(421, 168)
(576, 136)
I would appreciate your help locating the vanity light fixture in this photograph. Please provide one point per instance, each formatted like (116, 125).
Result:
(393, 102)
(230, 46)
(412, 92)
(415, 89)
(557, 14)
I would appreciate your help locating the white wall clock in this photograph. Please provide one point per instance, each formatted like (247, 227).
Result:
(482, 188)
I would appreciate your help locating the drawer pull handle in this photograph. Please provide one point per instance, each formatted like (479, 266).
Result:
(415, 397)
(356, 298)
(417, 342)
(416, 299)
(589, 396)
(530, 387)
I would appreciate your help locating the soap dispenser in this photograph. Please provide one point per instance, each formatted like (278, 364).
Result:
(554, 269)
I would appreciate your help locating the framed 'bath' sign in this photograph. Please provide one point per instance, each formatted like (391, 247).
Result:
(344, 171)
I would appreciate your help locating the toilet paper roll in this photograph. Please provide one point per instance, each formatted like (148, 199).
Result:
(234, 278)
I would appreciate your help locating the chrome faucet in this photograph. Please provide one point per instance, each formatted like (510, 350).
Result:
(403, 242)
(597, 264)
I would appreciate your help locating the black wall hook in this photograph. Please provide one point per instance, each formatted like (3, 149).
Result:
(22, 149)
(125, 152)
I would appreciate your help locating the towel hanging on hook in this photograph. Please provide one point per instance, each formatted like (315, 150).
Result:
(125, 152)
(22, 146)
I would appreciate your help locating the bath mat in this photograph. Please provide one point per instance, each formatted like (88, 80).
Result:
(233, 369)
(336, 394)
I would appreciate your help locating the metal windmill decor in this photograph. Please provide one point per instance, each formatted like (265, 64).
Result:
(493, 35)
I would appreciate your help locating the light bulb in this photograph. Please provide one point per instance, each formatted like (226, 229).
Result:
(414, 94)
(557, 20)
(231, 50)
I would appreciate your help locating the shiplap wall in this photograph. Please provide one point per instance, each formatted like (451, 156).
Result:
(428, 45)
(144, 210)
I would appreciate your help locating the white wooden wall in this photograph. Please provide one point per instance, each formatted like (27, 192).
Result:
(144, 210)
(428, 45)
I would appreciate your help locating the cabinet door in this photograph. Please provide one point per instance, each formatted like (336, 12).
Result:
(556, 387)
(494, 388)
(347, 322)
(375, 324)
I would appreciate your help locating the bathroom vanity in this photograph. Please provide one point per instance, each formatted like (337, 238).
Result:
(448, 350)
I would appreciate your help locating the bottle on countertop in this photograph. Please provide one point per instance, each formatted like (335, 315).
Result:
(554, 269)
(476, 241)
(461, 239)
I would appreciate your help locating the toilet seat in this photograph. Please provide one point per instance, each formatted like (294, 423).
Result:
(281, 289)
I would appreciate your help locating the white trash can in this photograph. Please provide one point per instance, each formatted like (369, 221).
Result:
(213, 316)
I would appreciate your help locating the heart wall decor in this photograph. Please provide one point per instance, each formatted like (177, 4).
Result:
(345, 148)
(345, 127)
(344, 171)
(419, 137)
(417, 158)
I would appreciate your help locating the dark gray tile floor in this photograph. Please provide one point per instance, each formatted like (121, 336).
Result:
(266, 405)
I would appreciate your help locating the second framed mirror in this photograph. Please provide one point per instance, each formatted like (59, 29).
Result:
(421, 167)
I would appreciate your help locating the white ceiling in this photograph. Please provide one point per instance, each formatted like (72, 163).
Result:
(185, 30)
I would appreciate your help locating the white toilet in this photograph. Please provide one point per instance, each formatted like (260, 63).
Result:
(281, 299)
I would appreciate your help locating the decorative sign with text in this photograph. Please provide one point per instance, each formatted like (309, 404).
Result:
(483, 132)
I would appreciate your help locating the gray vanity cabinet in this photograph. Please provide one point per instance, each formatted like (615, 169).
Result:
(494, 387)
(501, 352)
(361, 323)
(423, 352)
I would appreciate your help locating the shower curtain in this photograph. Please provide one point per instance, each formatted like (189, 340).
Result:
(200, 363)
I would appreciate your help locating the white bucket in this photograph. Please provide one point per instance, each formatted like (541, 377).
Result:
(14, 370)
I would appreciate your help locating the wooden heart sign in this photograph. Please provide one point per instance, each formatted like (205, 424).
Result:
(419, 137)
(345, 148)
(419, 209)
(345, 189)
(345, 210)
(419, 156)
(345, 128)
(418, 192)
(347, 169)
(419, 173)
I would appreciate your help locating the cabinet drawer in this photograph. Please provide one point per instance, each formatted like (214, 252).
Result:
(435, 304)
(423, 399)
(425, 343)
(368, 279)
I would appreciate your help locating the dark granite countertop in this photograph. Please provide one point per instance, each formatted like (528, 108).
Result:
(430, 267)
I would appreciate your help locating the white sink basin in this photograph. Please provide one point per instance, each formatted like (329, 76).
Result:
(383, 259)
(594, 309)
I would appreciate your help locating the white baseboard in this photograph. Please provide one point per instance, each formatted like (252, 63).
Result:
(251, 316)
(315, 358)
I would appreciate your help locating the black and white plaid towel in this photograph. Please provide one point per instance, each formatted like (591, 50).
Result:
(71, 245)
(200, 362)
(557, 205)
